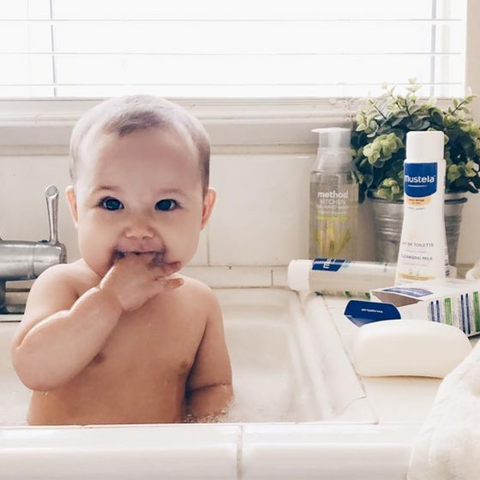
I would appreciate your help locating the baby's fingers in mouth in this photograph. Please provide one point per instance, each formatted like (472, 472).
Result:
(170, 283)
(158, 259)
(154, 259)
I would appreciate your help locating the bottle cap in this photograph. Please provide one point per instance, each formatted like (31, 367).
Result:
(425, 146)
(333, 154)
(298, 276)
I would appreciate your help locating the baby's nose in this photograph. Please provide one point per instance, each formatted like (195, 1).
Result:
(139, 228)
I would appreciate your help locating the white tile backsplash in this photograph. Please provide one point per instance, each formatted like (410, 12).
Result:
(226, 277)
(261, 216)
(279, 276)
(23, 211)
(260, 219)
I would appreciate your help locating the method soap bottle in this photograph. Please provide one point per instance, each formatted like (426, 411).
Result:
(333, 197)
(423, 253)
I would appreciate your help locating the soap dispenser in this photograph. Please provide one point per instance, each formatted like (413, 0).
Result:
(333, 197)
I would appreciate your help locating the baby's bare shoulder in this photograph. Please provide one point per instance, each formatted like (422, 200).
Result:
(201, 293)
(66, 277)
(72, 272)
(57, 273)
(196, 287)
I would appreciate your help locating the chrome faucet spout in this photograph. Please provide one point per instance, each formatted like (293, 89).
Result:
(51, 196)
(23, 260)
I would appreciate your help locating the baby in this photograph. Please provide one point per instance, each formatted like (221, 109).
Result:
(119, 336)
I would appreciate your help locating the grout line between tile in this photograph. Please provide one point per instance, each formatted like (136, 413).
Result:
(240, 454)
(208, 244)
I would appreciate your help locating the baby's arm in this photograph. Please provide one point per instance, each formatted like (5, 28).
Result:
(60, 334)
(209, 387)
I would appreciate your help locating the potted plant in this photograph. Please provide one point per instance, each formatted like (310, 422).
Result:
(378, 141)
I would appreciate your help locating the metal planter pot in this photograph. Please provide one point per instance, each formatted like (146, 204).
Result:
(388, 218)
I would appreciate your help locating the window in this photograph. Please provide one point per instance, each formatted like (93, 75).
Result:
(215, 48)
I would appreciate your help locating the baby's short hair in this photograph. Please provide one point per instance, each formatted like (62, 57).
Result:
(128, 114)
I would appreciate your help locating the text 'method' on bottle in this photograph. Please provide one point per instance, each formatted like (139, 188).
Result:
(333, 197)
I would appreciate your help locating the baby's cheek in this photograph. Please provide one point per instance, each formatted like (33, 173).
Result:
(96, 253)
(188, 247)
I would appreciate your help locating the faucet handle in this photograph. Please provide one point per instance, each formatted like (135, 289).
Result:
(51, 196)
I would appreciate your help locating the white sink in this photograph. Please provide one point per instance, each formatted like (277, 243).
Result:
(300, 409)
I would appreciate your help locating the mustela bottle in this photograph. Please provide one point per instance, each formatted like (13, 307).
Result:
(331, 275)
(423, 253)
(333, 197)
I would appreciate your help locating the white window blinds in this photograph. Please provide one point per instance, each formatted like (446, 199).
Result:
(219, 48)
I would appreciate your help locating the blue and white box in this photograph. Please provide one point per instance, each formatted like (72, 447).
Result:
(451, 301)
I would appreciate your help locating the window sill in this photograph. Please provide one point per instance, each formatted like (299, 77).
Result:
(47, 124)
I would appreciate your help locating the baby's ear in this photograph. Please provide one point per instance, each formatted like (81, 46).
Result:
(208, 203)
(72, 203)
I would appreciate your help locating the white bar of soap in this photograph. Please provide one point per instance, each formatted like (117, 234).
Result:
(419, 348)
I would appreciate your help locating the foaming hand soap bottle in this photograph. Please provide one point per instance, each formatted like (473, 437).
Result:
(423, 253)
(333, 197)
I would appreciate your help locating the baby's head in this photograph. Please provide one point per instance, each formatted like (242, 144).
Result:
(140, 180)
(123, 116)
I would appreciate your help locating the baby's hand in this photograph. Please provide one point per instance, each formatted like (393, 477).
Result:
(134, 279)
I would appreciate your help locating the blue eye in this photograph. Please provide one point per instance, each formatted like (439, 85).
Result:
(166, 205)
(110, 203)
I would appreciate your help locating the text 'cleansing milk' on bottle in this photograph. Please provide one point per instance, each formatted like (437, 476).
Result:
(333, 197)
(423, 251)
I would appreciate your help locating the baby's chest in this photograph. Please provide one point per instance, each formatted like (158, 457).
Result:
(150, 344)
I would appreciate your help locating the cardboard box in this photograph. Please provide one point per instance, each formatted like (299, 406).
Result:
(451, 301)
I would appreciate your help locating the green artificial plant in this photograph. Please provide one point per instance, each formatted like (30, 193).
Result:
(379, 137)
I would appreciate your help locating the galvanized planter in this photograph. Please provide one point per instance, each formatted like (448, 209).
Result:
(388, 218)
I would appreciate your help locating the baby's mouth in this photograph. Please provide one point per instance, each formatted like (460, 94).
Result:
(158, 256)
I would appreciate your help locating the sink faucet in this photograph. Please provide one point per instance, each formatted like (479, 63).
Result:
(22, 260)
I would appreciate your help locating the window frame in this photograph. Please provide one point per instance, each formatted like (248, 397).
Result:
(44, 126)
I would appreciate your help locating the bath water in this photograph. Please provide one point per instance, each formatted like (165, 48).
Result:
(14, 399)
(265, 383)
